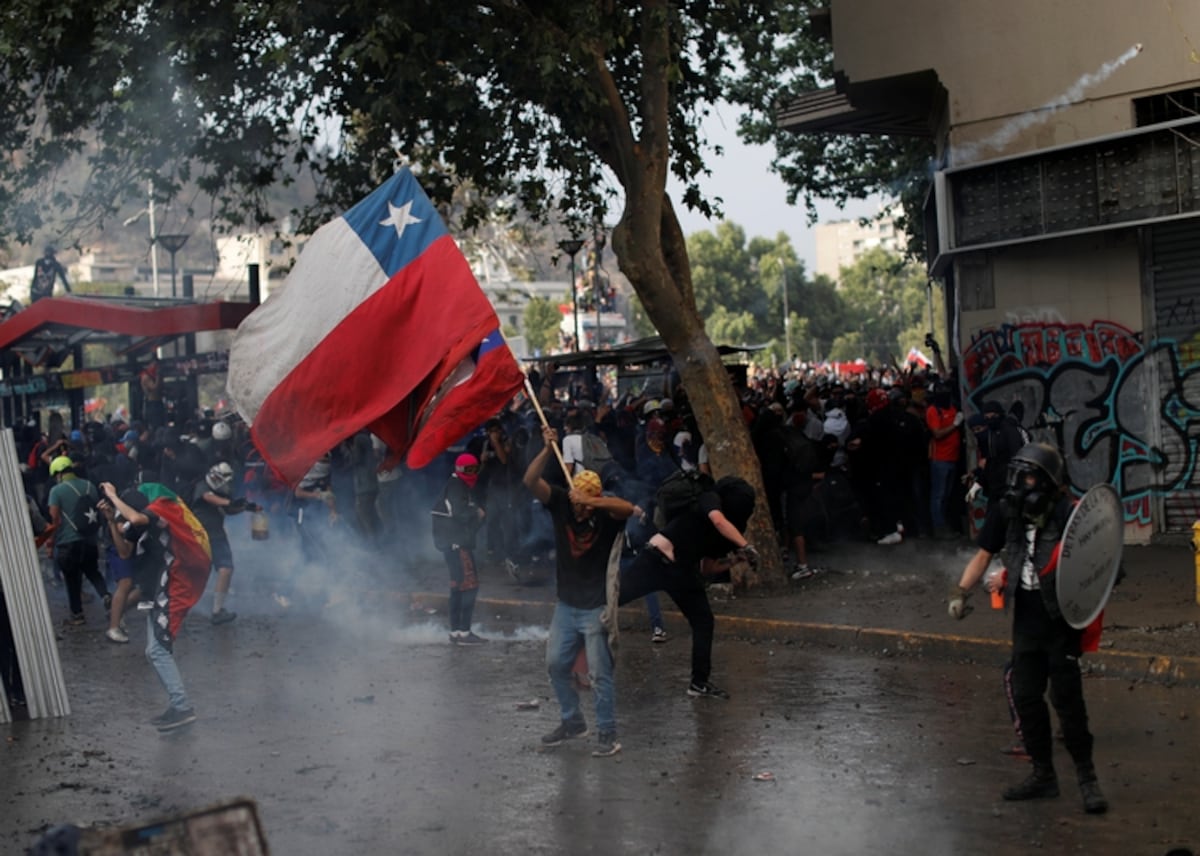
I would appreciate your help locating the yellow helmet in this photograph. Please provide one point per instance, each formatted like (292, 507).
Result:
(62, 462)
(588, 482)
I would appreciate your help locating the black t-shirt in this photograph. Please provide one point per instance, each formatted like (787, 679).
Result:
(582, 549)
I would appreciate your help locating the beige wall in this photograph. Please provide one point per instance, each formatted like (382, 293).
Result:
(1079, 280)
(1001, 59)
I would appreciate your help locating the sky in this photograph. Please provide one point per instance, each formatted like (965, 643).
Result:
(754, 197)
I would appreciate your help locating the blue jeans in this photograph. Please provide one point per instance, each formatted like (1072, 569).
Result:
(163, 662)
(571, 628)
(941, 482)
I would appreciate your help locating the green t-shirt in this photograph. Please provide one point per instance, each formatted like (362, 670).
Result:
(76, 500)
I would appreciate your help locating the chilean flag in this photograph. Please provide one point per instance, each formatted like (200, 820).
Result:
(380, 325)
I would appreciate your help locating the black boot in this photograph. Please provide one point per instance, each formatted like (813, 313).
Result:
(1042, 783)
(1093, 798)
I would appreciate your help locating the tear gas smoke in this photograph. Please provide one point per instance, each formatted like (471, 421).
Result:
(1009, 131)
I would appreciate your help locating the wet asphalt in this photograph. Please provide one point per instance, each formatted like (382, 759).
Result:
(357, 728)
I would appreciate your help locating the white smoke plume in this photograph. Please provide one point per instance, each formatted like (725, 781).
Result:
(1009, 131)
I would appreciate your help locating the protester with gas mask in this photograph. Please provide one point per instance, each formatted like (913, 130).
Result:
(1026, 528)
(213, 501)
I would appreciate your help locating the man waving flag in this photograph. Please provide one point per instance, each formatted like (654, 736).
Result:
(380, 325)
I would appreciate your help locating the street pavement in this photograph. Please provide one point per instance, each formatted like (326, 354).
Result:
(893, 599)
(356, 728)
(364, 731)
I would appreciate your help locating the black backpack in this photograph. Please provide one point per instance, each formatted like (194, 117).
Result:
(86, 519)
(678, 494)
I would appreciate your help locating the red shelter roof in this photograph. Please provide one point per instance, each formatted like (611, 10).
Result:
(50, 328)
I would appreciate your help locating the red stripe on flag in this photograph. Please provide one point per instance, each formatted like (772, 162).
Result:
(496, 378)
(380, 365)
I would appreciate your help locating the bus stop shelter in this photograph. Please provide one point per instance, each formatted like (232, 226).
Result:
(36, 342)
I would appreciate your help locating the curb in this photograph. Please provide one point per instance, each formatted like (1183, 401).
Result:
(1128, 665)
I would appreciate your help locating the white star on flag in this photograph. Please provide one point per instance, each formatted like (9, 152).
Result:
(400, 217)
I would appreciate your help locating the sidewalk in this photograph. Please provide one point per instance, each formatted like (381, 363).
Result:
(893, 600)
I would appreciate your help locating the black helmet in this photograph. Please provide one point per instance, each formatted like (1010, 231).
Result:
(1033, 501)
(1044, 457)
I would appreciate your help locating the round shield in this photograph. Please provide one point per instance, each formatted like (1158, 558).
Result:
(1092, 543)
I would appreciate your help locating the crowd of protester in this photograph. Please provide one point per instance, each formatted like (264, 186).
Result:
(875, 457)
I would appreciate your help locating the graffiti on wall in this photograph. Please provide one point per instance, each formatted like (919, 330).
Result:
(1097, 391)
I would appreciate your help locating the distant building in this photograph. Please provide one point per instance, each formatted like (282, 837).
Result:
(840, 243)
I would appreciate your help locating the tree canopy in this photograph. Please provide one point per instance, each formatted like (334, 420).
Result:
(572, 106)
(788, 59)
(878, 312)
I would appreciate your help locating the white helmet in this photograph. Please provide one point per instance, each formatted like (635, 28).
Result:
(221, 431)
(220, 478)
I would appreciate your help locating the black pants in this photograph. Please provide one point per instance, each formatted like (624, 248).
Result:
(650, 572)
(77, 560)
(1050, 657)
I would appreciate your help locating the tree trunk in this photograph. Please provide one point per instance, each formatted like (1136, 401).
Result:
(651, 251)
(709, 386)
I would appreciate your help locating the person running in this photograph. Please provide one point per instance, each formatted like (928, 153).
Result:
(586, 526)
(672, 562)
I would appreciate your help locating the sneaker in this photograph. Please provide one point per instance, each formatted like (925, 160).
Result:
(894, 538)
(145, 605)
(565, 731)
(108, 603)
(75, 620)
(470, 639)
(513, 571)
(173, 719)
(115, 634)
(607, 746)
(705, 690)
(223, 616)
(803, 572)
(659, 635)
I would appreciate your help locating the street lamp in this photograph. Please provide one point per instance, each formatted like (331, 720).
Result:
(172, 244)
(149, 209)
(571, 246)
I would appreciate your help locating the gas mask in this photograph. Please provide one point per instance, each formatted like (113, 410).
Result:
(1029, 493)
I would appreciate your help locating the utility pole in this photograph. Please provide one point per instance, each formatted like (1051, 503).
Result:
(787, 319)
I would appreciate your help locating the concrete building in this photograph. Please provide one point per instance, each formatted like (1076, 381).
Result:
(840, 243)
(1064, 217)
